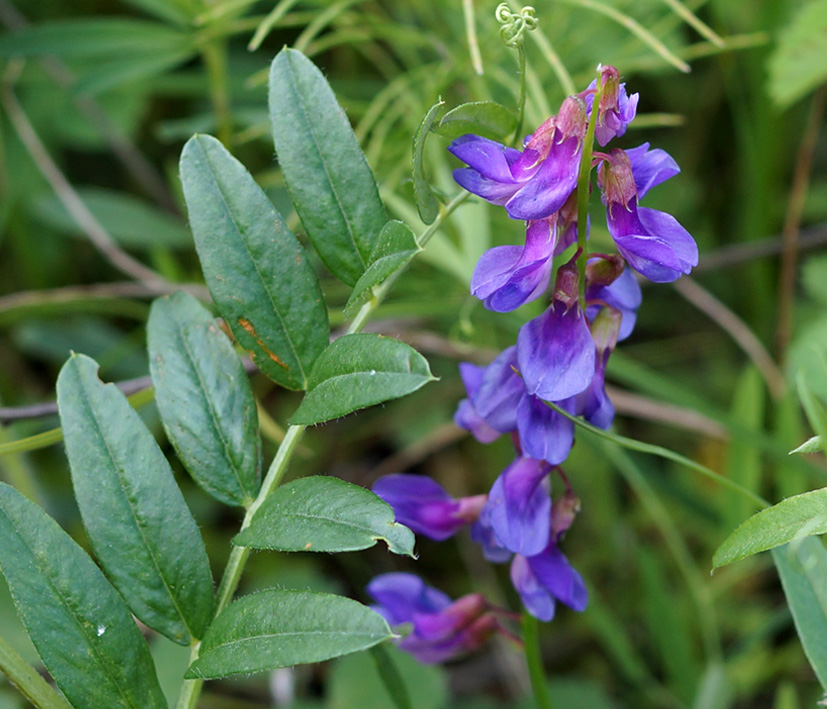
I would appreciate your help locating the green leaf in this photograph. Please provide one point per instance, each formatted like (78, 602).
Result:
(205, 399)
(394, 249)
(794, 518)
(108, 38)
(426, 202)
(799, 63)
(486, 118)
(256, 270)
(77, 621)
(132, 222)
(138, 523)
(325, 514)
(326, 172)
(128, 70)
(802, 567)
(360, 370)
(281, 628)
(814, 444)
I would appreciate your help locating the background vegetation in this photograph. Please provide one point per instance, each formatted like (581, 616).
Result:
(98, 97)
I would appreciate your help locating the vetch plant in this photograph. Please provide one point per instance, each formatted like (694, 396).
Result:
(148, 558)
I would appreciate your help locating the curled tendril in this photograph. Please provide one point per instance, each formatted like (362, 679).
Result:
(515, 24)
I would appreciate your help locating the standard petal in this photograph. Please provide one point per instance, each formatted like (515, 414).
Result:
(519, 506)
(650, 167)
(555, 353)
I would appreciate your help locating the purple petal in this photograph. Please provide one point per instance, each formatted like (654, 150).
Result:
(537, 600)
(555, 353)
(421, 504)
(500, 392)
(487, 157)
(650, 167)
(553, 571)
(624, 294)
(506, 277)
(490, 190)
(519, 506)
(483, 534)
(467, 417)
(653, 243)
(545, 434)
(594, 404)
(551, 185)
(401, 595)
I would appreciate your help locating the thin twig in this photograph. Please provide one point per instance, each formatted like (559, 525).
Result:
(87, 221)
(737, 329)
(792, 223)
(132, 159)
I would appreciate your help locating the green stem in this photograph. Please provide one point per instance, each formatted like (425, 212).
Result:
(583, 192)
(31, 685)
(531, 644)
(662, 452)
(521, 100)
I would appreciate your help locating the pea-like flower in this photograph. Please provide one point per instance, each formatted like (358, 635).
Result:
(423, 505)
(652, 242)
(534, 183)
(440, 629)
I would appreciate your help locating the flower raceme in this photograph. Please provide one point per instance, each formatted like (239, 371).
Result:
(560, 356)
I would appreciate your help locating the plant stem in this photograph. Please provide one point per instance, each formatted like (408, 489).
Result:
(531, 642)
(521, 100)
(583, 190)
(31, 685)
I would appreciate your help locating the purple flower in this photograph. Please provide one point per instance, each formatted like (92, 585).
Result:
(534, 183)
(546, 578)
(493, 395)
(506, 277)
(423, 505)
(441, 629)
(653, 243)
(498, 402)
(519, 506)
(616, 109)
(555, 351)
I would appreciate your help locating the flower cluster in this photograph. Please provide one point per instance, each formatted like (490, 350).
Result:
(560, 356)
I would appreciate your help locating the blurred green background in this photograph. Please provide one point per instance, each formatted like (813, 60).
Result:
(98, 97)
